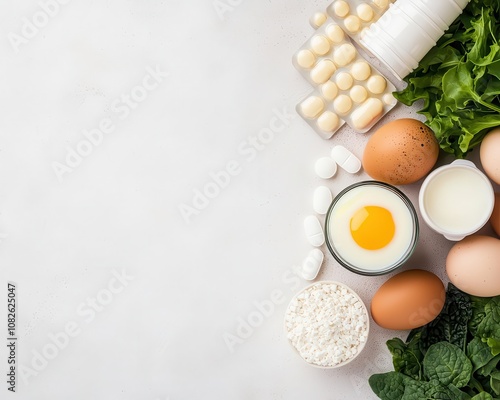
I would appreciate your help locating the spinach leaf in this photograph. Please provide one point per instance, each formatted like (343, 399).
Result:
(487, 369)
(474, 386)
(397, 386)
(495, 381)
(482, 396)
(458, 394)
(454, 357)
(479, 353)
(420, 390)
(486, 384)
(416, 390)
(488, 327)
(494, 345)
(388, 386)
(407, 357)
(447, 364)
(478, 304)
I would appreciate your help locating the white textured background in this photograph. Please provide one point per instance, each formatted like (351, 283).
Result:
(161, 334)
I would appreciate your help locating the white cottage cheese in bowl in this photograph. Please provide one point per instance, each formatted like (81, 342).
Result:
(327, 324)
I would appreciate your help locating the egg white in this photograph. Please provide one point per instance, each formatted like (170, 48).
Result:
(340, 233)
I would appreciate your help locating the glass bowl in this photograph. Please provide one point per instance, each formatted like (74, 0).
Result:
(338, 228)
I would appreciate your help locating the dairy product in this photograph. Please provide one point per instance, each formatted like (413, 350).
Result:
(456, 200)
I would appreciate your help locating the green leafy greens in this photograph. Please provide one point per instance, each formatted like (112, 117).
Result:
(455, 357)
(459, 80)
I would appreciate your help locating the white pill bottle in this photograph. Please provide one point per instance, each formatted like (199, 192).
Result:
(408, 30)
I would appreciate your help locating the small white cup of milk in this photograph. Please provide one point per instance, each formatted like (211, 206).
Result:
(456, 200)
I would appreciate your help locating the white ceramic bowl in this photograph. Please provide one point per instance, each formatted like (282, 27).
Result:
(364, 311)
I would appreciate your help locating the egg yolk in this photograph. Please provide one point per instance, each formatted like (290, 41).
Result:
(372, 227)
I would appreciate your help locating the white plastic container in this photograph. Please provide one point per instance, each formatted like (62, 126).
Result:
(408, 30)
(417, 14)
(456, 200)
(444, 11)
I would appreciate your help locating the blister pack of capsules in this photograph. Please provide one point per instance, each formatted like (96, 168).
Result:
(354, 16)
(348, 89)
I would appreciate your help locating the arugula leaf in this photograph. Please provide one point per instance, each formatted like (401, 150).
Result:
(494, 69)
(458, 90)
(481, 52)
(447, 364)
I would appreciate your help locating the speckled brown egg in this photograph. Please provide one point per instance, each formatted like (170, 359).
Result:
(401, 152)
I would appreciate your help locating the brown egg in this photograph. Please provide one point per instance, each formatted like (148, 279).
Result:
(488, 153)
(401, 152)
(408, 300)
(495, 215)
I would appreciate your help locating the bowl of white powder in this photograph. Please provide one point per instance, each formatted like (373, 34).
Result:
(327, 324)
